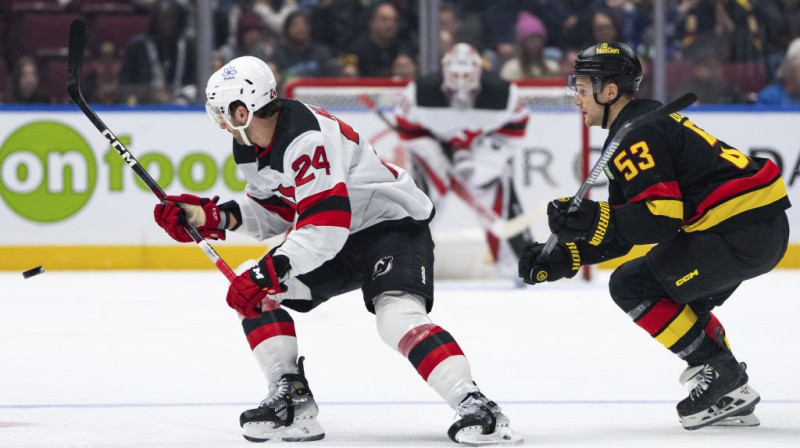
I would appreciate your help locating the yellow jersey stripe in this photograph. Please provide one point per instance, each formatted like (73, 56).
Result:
(749, 201)
(671, 208)
(677, 328)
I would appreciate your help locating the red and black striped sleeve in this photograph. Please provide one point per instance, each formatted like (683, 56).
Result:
(328, 208)
(408, 130)
(277, 206)
(514, 128)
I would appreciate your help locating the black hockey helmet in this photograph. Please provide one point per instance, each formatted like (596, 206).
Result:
(610, 60)
(615, 61)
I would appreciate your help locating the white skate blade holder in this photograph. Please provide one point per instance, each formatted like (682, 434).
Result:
(503, 435)
(726, 411)
(747, 420)
(302, 430)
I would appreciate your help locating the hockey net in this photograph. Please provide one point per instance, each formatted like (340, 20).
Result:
(552, 162)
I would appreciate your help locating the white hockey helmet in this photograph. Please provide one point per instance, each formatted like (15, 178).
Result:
(461, 69)
(247, 79)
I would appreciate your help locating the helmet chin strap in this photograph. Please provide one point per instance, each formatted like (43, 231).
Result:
(606, 108)
(244, 137)
(242, 128)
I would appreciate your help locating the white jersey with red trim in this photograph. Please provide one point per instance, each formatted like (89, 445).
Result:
(424, 112)
(321, 173)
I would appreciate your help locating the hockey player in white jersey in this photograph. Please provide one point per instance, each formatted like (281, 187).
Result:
(359, 223)
(462, 125)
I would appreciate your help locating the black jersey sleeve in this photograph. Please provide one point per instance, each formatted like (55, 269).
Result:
(644, 191)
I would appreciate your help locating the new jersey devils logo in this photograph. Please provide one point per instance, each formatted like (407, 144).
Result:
(383, 266)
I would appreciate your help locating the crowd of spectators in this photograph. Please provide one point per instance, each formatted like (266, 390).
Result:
(726, 51)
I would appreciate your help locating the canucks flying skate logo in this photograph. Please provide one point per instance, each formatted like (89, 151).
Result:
(228, 72)
(383, 266)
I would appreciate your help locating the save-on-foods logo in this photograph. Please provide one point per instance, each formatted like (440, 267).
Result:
(48, 171)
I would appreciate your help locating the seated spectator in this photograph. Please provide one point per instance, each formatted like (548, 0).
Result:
(375, 49)
(159, 64)
(332, 23)
(786, 92)
(734, 26)
(529, 61)
(605, 26)
(273, 13)
(404, 67)
(102, 85)
(252, 39)
(25, 87)
(297, 55)
(708, 81)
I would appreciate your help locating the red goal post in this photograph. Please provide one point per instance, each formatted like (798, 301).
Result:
(553, 162)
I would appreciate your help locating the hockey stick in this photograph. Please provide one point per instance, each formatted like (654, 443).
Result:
(680, 103)
(77, 43)
(489, 219)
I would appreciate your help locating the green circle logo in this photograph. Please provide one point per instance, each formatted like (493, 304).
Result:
(47, 171)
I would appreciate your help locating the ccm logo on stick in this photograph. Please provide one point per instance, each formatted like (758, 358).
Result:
(126, 156)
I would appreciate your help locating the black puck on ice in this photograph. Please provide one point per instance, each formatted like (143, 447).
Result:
(31, 272)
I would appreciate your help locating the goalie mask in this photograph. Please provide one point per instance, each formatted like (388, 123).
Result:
(461, 72)
(614, 61)
(247, 79)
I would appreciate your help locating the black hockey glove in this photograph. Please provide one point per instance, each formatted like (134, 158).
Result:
(563, 261)
(592, 221)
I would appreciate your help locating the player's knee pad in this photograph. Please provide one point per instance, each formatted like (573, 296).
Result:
(397, 313)
(633, 283)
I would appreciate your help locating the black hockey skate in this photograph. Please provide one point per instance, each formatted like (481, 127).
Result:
(287, 414)
(719, 395)
(481, 422)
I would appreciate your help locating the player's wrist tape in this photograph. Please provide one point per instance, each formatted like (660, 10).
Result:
(603, 226)
(226, 210)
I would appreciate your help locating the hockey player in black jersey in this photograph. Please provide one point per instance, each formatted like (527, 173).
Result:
(716, 216)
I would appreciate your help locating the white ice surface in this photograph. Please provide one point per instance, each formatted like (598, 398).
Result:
(136, 359)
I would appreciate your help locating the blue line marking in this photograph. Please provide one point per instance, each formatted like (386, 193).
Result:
(355, 403)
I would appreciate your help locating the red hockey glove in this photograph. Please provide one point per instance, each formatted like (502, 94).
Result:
(203, 213)
(563, 261)
(592, 221)
(255, 284)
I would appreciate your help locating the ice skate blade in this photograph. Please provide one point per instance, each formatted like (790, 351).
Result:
(745, 418)
(471, 436)
(300, 431)
(731, 406)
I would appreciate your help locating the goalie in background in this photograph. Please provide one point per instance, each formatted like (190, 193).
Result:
(716, 217)
(465, 124)
(359, 224)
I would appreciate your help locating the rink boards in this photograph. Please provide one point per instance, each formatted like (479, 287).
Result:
(67, 198)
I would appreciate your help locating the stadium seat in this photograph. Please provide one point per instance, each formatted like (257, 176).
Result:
(3, 81)
(39, 31)
(750, 76)
(53, 77)
(116, 28)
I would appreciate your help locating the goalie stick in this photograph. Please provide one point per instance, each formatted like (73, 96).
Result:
(670, 108)
(77, 43)
(489, 219)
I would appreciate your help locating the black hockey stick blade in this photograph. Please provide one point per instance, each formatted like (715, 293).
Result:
(77, 45)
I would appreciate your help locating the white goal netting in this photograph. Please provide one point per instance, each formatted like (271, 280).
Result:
(550, 163)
